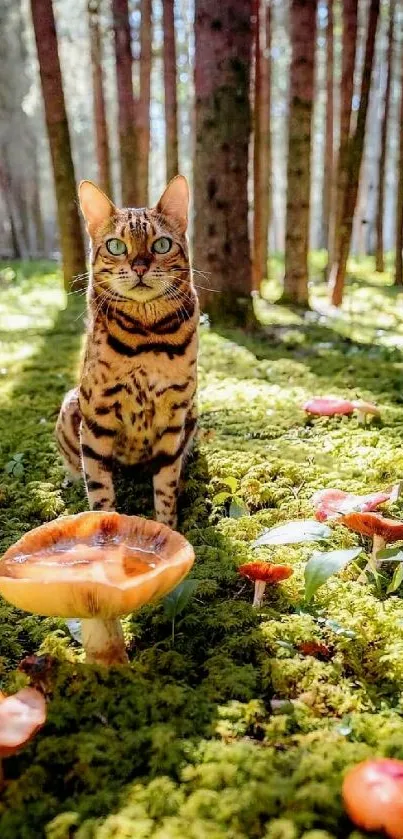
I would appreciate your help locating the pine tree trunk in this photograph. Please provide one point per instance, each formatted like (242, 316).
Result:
(349, 45)
(354, 159)
(303, 40)
(379, 254)
(126, 104)
(171, 101)
(18, 244)
(100, 122)
(261, 149)
(143, 121)
(71, 239)
(222, 76)
(329, 142)
(399, 196)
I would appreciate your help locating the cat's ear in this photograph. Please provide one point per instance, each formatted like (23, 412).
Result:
(174, 202)
(95, 206)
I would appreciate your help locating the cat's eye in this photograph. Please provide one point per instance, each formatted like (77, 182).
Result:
(116, 247)
(162, 245)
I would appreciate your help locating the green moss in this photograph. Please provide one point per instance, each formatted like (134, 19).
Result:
(233, 733)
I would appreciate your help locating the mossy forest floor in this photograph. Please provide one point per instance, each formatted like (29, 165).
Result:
(231, 733)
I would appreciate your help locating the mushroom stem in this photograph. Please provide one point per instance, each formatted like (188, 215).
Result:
(260, 586)
(378, 544)
(103, 641)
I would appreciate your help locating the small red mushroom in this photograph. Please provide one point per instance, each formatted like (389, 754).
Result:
(373, 796)
(315, 648)
(332, 503)
(383, 531)
(21, 715)
(262, 573)
(328, 406)
(365, 408)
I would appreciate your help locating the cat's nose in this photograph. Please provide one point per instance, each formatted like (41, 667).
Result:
(140, 266)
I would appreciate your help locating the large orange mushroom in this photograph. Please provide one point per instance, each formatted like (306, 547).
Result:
(373, 795)
(96, 566)
(21, 715)
(382, 530)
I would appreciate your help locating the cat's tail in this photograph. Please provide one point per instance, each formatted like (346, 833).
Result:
(68, 433)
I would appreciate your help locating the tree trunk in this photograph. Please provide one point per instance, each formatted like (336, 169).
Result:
(354, 159)
(18, 243)
(349, 45)
(171, 100)
(71, 239)
(261, 147)
(222, 75)
(143, 121)
(399, 197)
(100, 122)
(329, 142)
(302, 72)
(36, 206)
(126, 104)
(379, 254)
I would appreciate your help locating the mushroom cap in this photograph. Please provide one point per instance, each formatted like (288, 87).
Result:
(366, 407)
(373, 795)
(21, 715)
(370, 524)
(265, 572)
(328, 406)
(94, 564)
(331, 503)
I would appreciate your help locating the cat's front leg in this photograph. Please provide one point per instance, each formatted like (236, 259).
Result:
(166, 490)
(97, 459)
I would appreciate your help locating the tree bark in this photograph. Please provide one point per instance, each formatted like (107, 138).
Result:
(100, 122)
(261, 146)
(328, 173)
(222, 127)
(354, 158)
(399, 196)
(126, 104)
(303, 39)
(349, 45)
(171, 100)
(379, 253)
(143, 121)
(71, 239)
(18, 244)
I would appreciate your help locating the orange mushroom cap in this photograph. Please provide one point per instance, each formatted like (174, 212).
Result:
(21, 716)
(370, 524)
(265, 572)
(373, 796)
(94, 564)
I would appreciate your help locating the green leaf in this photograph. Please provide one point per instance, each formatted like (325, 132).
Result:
(294, 532)
(222, 497)
(321, 566)
(18, 470)
(177, 600)
(238, 509)
(393, 554)
(230, 482)
(397, 579)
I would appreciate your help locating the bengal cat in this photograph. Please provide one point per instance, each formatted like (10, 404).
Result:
(136, 400)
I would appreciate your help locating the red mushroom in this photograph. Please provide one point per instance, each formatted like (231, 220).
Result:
(262, 573)
(332, 503)
(329, 406)
(365, 408)
(373, 796)
(383, 531)
(21, 715)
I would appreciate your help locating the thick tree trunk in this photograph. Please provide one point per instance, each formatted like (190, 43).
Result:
(349, 45)
(71, 239)
(171, 100)
(143, 121)
(329, 141)
(379, 254)
(354, 159)
(100, 122)
(126, 104)
(302, 72)
(222, 75)
(261, 147)
(399, 196)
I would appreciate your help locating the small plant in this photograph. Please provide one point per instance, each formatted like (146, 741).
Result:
(15, 466)
(177, 601)
(237, 507)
